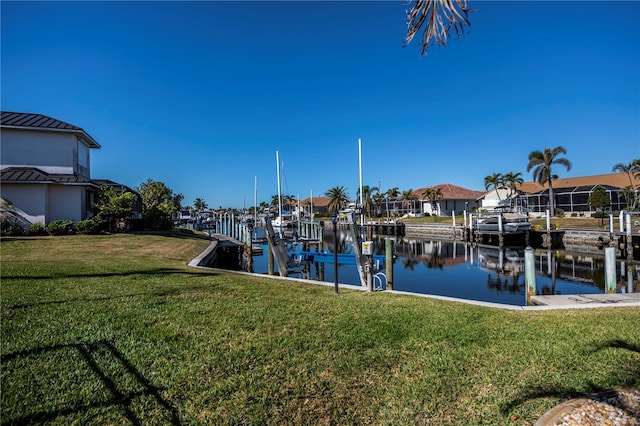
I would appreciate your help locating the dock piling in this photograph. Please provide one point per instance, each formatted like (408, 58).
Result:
(610, 269)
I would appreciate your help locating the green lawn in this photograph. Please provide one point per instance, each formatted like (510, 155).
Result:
(118, 330)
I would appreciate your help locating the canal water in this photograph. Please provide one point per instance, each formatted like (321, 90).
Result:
(476, 272)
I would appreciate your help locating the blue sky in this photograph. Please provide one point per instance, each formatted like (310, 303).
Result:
(201, 95)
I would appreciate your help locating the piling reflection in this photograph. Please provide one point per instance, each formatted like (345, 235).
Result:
(483, 272)
(505, 267)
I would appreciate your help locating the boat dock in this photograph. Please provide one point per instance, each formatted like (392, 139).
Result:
(587, 300)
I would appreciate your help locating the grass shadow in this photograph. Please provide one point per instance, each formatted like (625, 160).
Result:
(592, 390)
(122, 399)
(155, 271)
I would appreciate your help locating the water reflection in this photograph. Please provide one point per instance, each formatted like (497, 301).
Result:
(484, 272)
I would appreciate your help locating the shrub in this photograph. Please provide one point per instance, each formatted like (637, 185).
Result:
(599, 215)
(37, 229)
(60, 227)
(559, 213)
(88, 226)
(10, 228)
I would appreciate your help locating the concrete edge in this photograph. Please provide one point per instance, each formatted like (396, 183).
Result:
(200, 259)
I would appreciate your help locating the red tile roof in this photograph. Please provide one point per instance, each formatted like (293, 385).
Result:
(451, 192)
(317, 201)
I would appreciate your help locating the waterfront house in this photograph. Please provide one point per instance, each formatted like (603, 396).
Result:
(45, 168)
(454, 199)
(320, 205)
(571, 194)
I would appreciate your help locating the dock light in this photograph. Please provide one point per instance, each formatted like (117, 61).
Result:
(334, 220)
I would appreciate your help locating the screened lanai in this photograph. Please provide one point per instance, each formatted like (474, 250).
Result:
(571, 199)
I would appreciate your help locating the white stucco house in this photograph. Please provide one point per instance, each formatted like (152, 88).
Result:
(497, 197)
(45, 167)
(455, 200)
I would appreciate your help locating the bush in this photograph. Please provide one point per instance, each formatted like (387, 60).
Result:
(574, 214)
(599, 215)
(559, 213)
(60, 227)
(88, 226)
(37, 229)
(10, 228)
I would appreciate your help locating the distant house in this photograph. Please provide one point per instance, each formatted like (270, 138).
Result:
(320, 205)
(571, 194)
(45, 168)
(455, 199)
(496, 198)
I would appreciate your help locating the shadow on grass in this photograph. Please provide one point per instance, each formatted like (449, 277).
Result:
(121, 399)
(630, 380)
(156, 271)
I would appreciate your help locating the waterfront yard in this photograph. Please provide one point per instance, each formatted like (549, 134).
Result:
(118, 330)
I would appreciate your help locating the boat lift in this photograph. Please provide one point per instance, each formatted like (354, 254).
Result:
(368, 265)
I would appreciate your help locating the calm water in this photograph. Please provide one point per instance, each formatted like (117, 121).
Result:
(479, 272)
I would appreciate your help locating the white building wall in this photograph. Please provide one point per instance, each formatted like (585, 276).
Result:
(30, 198)
(52, 152)
(491, 200)
(66, 202)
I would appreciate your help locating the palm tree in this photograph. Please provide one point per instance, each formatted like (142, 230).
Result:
(407, 197)
(493, 181)
(367, 195)
(440, 16)
(199, 205)
(393, 192)
(378, 198)
(512, 180)
(338, 198)
(288, 200)
(632, 170)
(433, 195)
(541, 162)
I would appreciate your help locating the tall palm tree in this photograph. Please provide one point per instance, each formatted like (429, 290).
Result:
(407, 197)
(199, 205)
(367, 198)
(338, 198)
(438, 17)
(378, 199)
(433, 195)
(632, 170)
(393, 192)
(493, 181)
(541, 162)
(512, 180)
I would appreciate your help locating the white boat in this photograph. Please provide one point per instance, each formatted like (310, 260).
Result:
(285, 221)
(511, 222)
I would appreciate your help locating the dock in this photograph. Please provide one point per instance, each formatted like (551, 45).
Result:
(587, 300)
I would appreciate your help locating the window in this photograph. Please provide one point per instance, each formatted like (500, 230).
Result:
(83, 159)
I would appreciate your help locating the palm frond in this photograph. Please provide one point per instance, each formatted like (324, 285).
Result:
(438, 18)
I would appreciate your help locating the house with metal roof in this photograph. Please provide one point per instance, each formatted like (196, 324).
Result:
(570, 194)
(45, 167)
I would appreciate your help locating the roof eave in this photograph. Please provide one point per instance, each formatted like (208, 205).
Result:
(81, 133)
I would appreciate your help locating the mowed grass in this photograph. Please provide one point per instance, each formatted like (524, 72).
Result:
(118, 330)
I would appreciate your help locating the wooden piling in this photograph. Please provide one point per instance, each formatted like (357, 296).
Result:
(270, 261)
(388, 251)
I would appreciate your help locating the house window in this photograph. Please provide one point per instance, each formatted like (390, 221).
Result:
(83, 159)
